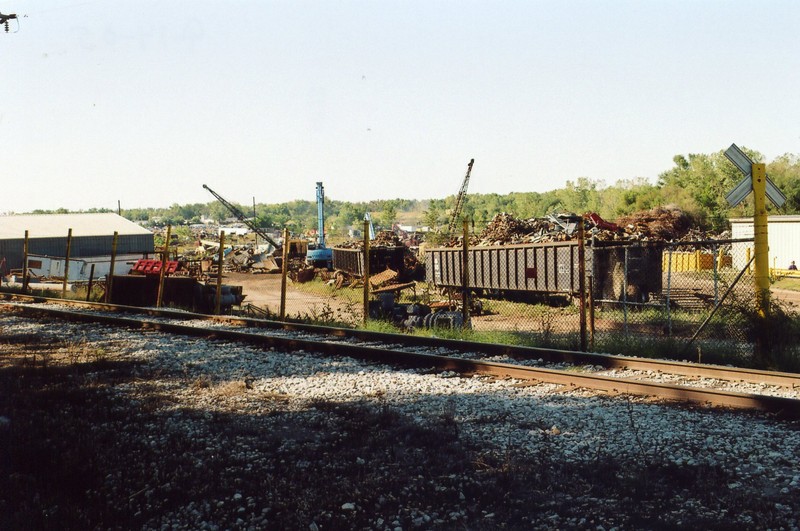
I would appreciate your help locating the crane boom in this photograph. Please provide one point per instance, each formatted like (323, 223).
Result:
(460, 199)
(320, 216)
(241, 217)
(321, 256)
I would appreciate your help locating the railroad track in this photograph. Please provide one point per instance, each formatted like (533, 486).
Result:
(454, 355)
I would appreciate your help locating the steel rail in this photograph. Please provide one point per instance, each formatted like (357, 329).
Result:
(607, 361)
(785, 407)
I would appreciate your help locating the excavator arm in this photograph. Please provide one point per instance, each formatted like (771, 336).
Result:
(241, 217)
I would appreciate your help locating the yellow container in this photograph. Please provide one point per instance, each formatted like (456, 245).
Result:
(691, 261)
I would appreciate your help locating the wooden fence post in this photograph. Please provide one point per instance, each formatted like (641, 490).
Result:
(110, 278)
(284, 272)
(25, 275)
(162, 272)
(218, 298)
(66, 265)
(366, 271)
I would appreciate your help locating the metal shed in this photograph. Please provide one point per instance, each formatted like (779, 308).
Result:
(92, 235)
(784, 240)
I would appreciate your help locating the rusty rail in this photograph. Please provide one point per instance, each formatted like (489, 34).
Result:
(607, 361)
(786, 407)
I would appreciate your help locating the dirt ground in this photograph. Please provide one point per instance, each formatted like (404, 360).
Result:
(790, 297)
(264, 291)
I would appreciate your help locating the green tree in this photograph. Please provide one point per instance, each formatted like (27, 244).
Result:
(431, 217)
(700, 183)
(628, 196)
(785, 173)
(389, 214)
(581, 196)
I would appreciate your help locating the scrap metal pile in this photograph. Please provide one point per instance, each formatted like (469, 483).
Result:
(659, 224)
(383, 238)
(388, 239)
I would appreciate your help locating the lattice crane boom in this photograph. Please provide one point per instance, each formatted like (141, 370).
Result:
(460, 199)
(241, 217)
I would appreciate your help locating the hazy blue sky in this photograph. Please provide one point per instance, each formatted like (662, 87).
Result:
(144, 102)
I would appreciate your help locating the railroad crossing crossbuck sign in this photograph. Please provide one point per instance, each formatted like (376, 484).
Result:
(756, 180)
(745, 186)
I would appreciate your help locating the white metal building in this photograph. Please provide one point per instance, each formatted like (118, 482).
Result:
(783, 235)
(92, 236)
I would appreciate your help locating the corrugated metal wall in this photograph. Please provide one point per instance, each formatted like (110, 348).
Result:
(784, 241)
(82, 246)
(532, 267)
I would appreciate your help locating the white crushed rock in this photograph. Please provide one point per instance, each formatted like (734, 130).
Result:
(578, 425)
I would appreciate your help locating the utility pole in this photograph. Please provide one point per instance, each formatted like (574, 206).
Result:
(5, 18)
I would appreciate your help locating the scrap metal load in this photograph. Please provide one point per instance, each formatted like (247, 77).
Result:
(386, 251)
(540, 255)
(659, 224)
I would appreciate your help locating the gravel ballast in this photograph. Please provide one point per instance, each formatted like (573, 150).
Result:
(112, 428)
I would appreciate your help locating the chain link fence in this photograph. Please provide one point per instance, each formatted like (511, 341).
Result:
(692, 300)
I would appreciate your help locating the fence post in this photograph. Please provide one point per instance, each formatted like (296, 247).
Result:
(716, 275)
(164, 257)
(25, 275)
(91, 280)
(761, 260)
(669, 290)
(591, 309)
(366, 271)
(582, 281)
(66, 265)
(465, 275)
(284, 272)
(110, 278)
(625, 296)
(218, 301)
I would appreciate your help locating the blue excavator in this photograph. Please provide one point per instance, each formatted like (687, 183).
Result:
(320, 255)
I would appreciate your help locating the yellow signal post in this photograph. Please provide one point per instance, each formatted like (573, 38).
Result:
(760, 238)
(761, 259)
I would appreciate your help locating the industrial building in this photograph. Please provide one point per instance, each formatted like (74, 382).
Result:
(92, 236)
(784, 240)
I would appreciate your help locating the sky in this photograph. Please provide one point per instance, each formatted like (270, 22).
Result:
(140, 103)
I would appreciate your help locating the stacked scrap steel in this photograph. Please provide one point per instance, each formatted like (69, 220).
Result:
(386, 245)
(383, 238)
(659, 224)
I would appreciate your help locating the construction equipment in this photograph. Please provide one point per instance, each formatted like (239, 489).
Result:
(321, 256)
(368, 218)
(460, 200)
(241, 217)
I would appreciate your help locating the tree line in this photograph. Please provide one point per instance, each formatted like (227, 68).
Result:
(697, 184)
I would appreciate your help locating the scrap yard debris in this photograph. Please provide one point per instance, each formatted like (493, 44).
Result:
(383, 238)
(386, 239)
(660, 224)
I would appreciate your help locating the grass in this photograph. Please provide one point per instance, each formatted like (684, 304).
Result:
(322, 289)
(787, 283)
